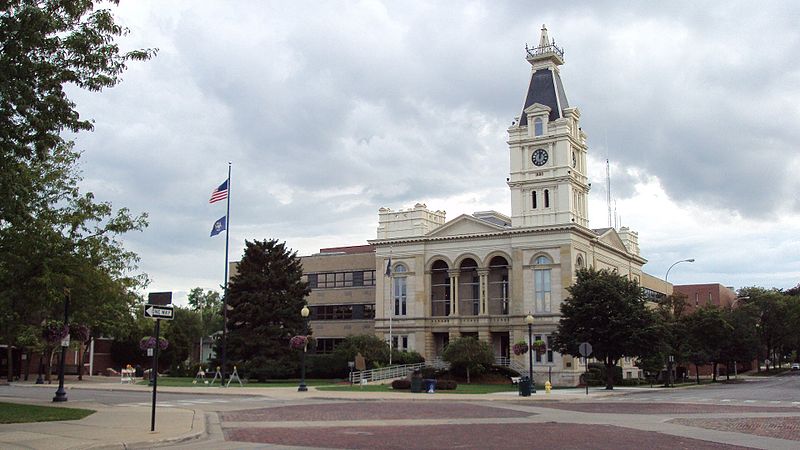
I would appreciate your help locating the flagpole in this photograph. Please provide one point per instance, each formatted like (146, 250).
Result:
(391, 303)
(225, 281)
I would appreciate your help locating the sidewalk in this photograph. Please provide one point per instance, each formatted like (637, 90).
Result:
(109, 427)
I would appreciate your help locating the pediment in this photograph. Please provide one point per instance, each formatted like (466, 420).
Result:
(464, 225)
(610, 237)
(537, 108)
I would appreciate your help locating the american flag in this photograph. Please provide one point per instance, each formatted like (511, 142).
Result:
(220, 193)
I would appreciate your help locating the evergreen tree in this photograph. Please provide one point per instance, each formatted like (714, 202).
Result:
(265, 298)
(608, 311)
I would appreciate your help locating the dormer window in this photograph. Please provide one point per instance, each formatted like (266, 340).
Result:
(538, 126)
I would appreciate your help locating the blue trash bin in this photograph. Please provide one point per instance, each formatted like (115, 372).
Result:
(430, 385)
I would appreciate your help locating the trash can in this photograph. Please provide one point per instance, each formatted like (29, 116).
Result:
(430, 386)
(416, 384)
(525, 387)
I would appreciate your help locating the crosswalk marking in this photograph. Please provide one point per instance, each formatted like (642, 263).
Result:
(749, 401)
(204, 401)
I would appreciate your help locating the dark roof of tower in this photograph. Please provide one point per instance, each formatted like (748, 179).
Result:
(545, 88)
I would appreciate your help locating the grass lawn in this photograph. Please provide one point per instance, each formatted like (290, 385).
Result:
(464, 388)
(188, 382)
(18, 413)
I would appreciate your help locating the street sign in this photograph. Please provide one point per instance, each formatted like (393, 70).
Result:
(159, 298)
(585, 348)
(159, 312)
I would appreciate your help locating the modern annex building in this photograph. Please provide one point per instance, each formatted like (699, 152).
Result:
(480, 275)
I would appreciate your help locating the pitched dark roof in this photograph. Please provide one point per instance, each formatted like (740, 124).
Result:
(544, 90)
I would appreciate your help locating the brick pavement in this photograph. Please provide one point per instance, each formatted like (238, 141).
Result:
(387, 410)
(659, 408)
(488, 436)
(775, 427)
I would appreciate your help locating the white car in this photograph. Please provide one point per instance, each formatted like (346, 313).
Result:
(795, 366)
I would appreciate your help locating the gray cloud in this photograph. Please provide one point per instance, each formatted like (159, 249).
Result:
(331, 115)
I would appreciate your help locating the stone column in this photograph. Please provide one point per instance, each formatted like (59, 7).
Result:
(483, 289)
(453, 273)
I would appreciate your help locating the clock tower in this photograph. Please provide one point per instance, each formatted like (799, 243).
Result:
(547, 148)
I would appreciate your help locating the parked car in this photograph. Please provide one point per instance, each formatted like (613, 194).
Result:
(795, 366)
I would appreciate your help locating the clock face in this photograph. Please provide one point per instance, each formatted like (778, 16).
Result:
(539, 157)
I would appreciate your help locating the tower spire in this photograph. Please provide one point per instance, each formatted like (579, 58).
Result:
(544, 40)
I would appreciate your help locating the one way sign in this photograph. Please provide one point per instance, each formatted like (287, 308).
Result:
(159, 312)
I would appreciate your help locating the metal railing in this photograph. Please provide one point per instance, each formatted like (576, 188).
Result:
(512, 364)
(393, 372)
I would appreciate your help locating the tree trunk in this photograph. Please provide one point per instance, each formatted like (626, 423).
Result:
(697, 373)
(49, 369)
(609, 375)
(28, 363)
(10, 359)
(714, 372)
(467, 375)
(80, 361)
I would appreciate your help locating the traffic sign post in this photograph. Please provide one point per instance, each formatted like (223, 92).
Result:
(158, 307)
(585, 350)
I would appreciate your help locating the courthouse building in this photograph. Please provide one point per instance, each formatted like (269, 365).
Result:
(481, 274)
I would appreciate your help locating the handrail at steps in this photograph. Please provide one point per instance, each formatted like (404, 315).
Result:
(393, 372)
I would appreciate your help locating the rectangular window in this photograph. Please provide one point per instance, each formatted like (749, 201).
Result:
(400, 296)
(369, 311)
(369, 277)
(358, 278)
(327, 345)
(542, 290)
(312, 280)
(549, 349)
(400, 343)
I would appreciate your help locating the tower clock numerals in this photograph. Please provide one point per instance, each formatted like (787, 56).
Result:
(539, 157)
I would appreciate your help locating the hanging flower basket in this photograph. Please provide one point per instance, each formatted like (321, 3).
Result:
(520, 348)
(79, 332)
(54, 331)
(150, 342)
(539, 346)
(298, 342)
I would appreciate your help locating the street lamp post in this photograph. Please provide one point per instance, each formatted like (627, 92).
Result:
(304, 313)
(666, 277)
(61, 394)
(529, 321)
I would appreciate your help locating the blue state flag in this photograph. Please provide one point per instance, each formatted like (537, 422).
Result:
(218, 227)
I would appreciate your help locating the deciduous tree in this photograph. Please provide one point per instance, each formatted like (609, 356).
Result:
(608, 311)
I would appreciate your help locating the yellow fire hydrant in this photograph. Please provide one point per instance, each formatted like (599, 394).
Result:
(547, 387)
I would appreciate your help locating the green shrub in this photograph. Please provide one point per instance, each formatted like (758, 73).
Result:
(406, 357)
(446, 385)
(402, 383)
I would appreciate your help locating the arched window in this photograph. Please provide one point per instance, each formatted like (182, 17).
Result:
(468, 288)
(546, 198)
(579, 263)
(541, 284)
(399, 290)
(538, 128)
(534, 199)
(499, 292)
(440, 289)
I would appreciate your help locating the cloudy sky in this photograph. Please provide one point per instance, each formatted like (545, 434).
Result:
(330, 110)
